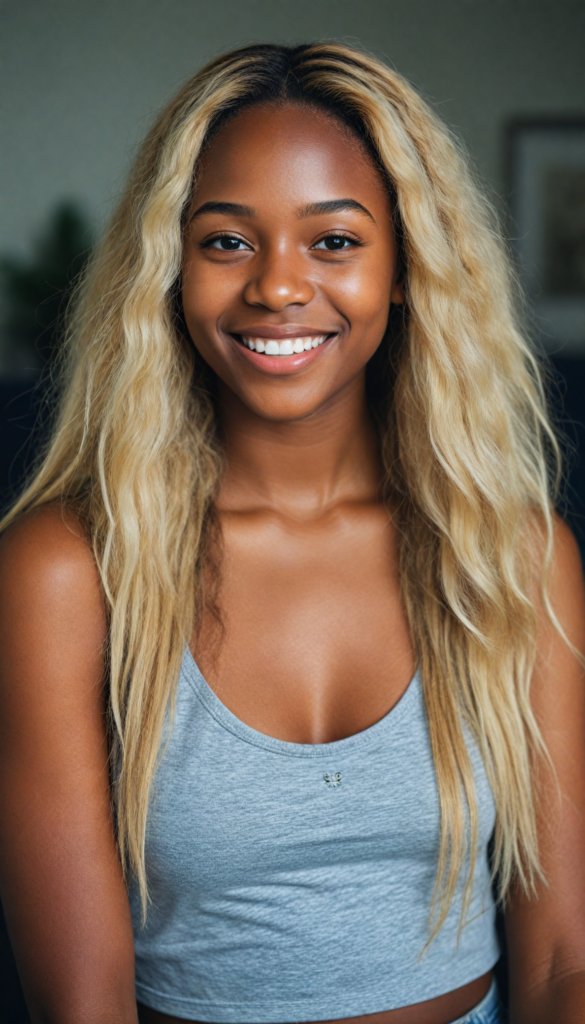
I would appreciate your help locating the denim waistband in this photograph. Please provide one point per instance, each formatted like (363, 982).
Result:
(489, 1011)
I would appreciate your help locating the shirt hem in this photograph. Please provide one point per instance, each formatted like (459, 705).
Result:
(293, 1011)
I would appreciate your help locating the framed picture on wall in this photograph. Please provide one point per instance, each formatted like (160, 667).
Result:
(546, 175)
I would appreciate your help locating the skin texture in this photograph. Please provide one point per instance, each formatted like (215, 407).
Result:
(310, 567)
(62, 892)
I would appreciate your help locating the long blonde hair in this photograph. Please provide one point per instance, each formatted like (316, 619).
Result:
(466, 447)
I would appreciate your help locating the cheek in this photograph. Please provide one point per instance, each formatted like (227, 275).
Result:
(206, 294)
(362, 294)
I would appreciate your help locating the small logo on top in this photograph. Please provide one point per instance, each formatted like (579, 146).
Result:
(332, 779)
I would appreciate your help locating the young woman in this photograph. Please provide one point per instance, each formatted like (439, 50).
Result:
(289, 632)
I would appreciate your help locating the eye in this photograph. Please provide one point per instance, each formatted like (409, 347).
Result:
(226, 243)
(335, 243)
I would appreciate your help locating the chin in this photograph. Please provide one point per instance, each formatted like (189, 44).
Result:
(279, 411)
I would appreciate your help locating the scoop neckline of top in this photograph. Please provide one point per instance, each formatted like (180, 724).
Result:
(233, 724)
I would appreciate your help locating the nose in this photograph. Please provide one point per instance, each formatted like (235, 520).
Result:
(279, 280)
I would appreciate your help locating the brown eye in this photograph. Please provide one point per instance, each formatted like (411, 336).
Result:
(334, 243)
(226, 243)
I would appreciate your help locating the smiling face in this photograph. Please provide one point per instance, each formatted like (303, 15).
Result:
(290, 262)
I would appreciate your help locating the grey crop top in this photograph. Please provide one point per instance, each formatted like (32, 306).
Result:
(292, 882)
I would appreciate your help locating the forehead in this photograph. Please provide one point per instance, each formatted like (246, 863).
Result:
(287, 152)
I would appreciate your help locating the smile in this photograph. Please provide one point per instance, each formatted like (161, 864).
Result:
(286, 347)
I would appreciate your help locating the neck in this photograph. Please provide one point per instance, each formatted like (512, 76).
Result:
(304, 466)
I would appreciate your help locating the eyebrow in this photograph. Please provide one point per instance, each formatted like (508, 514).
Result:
(333, 206)
(231, 209)
(310, 210)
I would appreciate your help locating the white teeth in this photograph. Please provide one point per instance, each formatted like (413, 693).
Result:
(287, 347)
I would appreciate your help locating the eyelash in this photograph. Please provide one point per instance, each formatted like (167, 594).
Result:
(222, 234)
(338, 234)
(330, 234)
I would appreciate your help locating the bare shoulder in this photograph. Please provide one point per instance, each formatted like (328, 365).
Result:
(46, 547)
(566, 592)
(47, 569)
(566, 554)
(565, 547)
(52, 613)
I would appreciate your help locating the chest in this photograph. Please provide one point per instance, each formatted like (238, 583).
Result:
(278, 807)
(315, 644)
(234, 807)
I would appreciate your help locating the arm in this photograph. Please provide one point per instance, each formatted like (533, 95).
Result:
(546, 936)
(61, 882)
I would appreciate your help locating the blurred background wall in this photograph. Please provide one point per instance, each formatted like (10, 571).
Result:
(80, 81)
